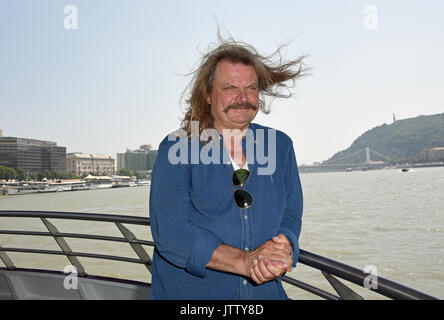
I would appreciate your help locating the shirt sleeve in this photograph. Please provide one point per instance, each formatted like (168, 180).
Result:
(177, 239)
(292, 220)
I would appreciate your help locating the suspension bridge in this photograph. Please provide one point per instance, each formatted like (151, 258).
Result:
(364, 159)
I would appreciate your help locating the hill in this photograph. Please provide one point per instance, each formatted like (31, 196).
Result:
(400, 141)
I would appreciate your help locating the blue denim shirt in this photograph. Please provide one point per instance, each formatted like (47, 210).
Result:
(192, 212)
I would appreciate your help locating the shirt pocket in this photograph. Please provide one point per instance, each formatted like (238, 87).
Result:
(212, 206)
(212, 191)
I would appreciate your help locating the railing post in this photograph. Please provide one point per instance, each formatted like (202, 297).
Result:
(344, 292)
(309, 288)
(138, 249)
(6, 260)
(65, 247)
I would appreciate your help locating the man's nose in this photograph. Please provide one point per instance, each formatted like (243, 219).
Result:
(242, 96)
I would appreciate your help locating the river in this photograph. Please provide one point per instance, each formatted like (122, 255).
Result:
(388, 219)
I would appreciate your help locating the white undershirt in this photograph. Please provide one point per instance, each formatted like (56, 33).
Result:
(236, 167)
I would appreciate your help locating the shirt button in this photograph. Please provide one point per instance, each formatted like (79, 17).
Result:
(244, 282)
(247, 249)
(245, 217)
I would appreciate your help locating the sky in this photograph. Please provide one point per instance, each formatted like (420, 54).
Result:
(108, 75)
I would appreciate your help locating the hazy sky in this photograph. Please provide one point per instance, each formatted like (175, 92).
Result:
(115, 81)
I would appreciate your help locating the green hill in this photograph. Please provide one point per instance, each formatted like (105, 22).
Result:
(401, 141)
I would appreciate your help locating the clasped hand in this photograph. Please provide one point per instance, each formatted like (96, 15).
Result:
(270, 260)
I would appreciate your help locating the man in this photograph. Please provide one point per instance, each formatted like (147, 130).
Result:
(224, 230)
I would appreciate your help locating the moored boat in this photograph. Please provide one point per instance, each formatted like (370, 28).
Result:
(143, 182)
(98, 182)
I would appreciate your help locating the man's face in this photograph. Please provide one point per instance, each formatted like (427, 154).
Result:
(234, 98)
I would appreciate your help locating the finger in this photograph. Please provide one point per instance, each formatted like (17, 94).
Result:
(281, 265)
(258, 272)
(277, 249)
(265, 271)
(278, 244)
(281, 239)
(266, 275)
(273, 269)
(254, 277)
(285, 240)
(253, 273)
(282, 256)
(270, 244)
(274, 246)
(278, 252)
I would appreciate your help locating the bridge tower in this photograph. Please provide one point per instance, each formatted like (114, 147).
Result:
(367, 155)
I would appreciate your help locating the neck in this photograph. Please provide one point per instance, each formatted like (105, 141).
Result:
(232, 142)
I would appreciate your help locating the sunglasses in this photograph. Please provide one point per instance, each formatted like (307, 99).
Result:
(242, 198)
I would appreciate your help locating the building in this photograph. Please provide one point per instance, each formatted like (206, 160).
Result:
(83, 164)
(432, 154)
(141, 160)
(32, 155)
(152, 156)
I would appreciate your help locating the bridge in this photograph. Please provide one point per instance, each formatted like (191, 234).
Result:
(360, 160)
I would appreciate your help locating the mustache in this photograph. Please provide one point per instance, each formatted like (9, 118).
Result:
(240, 105)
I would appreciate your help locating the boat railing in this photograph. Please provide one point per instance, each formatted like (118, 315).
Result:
(329, 268)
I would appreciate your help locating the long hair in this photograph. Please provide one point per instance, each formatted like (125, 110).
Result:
(273, 78)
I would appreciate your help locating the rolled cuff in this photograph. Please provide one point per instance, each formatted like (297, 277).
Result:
(201, 253)
(294, 241)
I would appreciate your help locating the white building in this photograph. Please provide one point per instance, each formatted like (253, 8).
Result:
(432, 154)
(83, 163)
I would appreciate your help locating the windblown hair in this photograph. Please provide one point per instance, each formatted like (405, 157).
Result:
(273, 78)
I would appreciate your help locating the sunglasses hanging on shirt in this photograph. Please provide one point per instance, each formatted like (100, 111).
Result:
(242, 198)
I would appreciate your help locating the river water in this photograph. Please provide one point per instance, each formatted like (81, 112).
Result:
(388, 219)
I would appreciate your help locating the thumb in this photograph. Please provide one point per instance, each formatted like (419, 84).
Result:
(280, 238)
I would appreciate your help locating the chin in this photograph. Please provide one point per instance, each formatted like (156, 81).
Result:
(243, 122)
(243, 113)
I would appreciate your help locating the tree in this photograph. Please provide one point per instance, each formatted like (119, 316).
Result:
(40, 176)
(138, 174)
(3, 172)
(21, 174)
(124, 172)
(7, 173)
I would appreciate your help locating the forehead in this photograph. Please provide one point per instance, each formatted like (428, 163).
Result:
(228, 71)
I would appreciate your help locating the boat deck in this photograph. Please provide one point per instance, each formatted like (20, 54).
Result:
(28, 284)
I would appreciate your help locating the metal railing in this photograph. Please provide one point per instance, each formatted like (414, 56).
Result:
(329, 268)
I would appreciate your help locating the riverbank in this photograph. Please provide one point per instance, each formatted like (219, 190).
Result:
(365, 167)
(36, 187)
